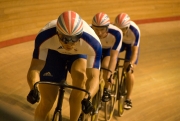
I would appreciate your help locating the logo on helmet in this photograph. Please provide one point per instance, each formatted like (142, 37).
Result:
(70, 23)
(101, 19)
(122, 20)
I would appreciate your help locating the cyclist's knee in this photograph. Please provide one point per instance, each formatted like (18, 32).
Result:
(46, 103)
(48, 95)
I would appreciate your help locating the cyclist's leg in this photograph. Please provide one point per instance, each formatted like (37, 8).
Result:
(129, 81)
(78, 74)
(129, 76)
(53, 71)
(105, 63)
(92, 85)
(48, 97)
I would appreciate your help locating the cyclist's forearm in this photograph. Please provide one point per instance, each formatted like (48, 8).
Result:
(113, 60)
(92, 83)
(111, 67)
(92, 86)
(112, 64)
(32, 77)
(133, 58)
(34, 70)
(134, 55)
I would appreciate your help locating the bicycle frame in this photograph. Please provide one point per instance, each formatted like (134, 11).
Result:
(57, 116)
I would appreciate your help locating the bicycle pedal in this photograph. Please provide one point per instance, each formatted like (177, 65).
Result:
(113, 95)
(99, 106)
(95, 112)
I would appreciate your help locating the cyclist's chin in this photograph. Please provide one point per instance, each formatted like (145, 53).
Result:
(68, 48)
(101, 37)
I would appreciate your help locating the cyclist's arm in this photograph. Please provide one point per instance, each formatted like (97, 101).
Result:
(92, 73)
(33, 72)
(92, 80)
(114, 53)
(112, 63)
(134, 54)
(135, 46)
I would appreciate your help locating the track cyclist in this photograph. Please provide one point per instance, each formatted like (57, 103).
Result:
(131, 42)
(65, 44)
(111, 40)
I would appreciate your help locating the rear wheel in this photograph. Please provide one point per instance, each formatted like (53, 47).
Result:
(96, 104)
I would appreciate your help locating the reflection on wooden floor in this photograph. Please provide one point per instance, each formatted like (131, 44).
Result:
(156, 94)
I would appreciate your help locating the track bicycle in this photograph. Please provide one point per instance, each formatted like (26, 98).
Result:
(97, 104)
(57, 116)
(117, 90)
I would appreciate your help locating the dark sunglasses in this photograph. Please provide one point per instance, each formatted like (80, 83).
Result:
(69, 39)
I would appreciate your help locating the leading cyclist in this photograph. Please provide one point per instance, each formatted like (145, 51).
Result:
(131, 41)
(111, 40)
(65, 44)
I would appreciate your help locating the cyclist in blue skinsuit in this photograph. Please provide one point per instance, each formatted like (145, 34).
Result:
(65, 44)
(131, 42)
(111, 40)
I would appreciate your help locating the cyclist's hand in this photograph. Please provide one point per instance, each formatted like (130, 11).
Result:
(87, 106)
(110, 79)
(33, 96)
(129, 68)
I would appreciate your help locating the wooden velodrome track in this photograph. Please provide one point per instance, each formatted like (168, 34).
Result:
(157, 87)
(156, 94)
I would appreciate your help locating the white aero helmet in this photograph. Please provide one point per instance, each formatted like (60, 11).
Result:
(70, 23)
(101, 19)
(122, 20)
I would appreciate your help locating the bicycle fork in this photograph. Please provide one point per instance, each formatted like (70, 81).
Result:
(58, 110)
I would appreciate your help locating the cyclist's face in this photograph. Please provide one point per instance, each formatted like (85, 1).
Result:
(100, 31)
(66, 45)
(124, 30)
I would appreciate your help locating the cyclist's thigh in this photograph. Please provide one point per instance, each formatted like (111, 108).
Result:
(122, 47)
(128, 55)
(77, 63)
(127, 48)
(77, 68)
(48, 93)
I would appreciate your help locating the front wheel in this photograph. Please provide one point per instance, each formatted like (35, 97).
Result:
(121, 105)
(122, 95)
(94, 117)
(96, 101)
(57, 117)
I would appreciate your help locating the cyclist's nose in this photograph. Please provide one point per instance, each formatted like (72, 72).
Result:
(99, 33)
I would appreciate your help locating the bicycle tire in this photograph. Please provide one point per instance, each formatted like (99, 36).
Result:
(57, 116)
(121, 105)
(109, 106)
(106, 111)
(122, 94)
(95, 112)
(97, 103)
